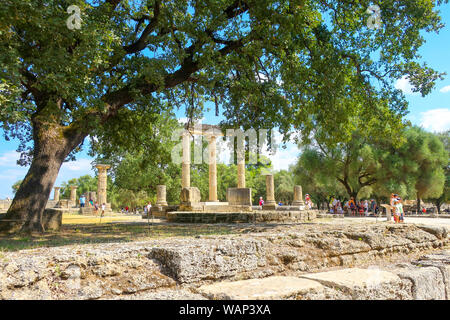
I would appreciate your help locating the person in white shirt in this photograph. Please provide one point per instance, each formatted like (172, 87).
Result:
(149, 208)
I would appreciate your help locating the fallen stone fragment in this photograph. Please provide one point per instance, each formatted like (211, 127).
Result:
(364, 283)
(271, 288)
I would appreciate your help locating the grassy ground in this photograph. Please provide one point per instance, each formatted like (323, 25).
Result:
(77, 229)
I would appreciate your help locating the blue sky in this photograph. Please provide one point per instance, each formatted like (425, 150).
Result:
(431, 112)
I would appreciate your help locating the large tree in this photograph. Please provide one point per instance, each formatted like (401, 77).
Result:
(265, 63)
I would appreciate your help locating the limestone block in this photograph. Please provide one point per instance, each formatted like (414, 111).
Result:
(428, 282)
(271, 288)
(190, 195)
(239, 196)
(364, 283)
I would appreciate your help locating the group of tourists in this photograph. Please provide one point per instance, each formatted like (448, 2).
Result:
(92, 204)
(363, 207)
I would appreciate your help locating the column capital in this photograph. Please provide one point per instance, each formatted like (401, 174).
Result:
(102, 166)
(56, 188)
(73, 187)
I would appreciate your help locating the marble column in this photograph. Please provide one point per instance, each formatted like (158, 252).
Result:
(73, 193)
(186, 162)
(298, 196)
(270, 203)
(102, 182)
(56, 194)
(212, 169)
(161, 195)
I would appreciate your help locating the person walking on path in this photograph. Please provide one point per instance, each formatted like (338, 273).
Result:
(261, 201)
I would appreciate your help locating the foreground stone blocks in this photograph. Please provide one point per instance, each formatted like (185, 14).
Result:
(271, 288)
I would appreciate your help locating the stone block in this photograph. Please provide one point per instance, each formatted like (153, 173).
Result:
(239, 196)
(190, 195)
(271, 288)
(364, 283)
(427, 282)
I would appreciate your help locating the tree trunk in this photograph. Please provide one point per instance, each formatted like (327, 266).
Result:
(52, 145)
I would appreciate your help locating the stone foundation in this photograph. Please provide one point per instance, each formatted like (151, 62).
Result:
(312, 261)
(241, 216)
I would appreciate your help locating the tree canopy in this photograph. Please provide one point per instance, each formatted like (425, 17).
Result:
(264, 63)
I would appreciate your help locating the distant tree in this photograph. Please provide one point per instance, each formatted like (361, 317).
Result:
(284, 186)
(445, 196)
(84, 183)
(419, 164)
(16, 186)
(311, 173)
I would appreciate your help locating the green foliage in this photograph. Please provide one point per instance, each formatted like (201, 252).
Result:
(284, 186)
(85, 184)
(137, 59)
(16, 186)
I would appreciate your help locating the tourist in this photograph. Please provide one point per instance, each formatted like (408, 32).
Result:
(396, 211)
(366, 208)
(91, 202)
(352, 206)
(149, 208)
(96, 207)
(334, 204)
(360, 208)
(126, 209)
(261, 201)
(339, 209)
(82, 201)
(308, 201)
(280, 203)
(400, 209)
(331, 205)
(103, 209)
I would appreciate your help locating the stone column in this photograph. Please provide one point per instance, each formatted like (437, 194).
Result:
(102, 182)
(240, 164)
(212, 169)
(161, 195)
(298, 196)
(186, 162)
(56, 194)
(73, 194)
(270, 203)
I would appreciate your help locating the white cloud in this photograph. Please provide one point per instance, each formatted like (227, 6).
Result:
(78, 165)
(404, 85)
(445, 89)
(9, 159)
(436, 120)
